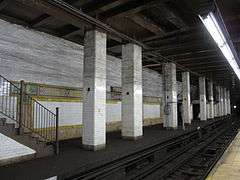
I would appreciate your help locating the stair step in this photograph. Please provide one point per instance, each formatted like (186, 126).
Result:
(12, 151)
(30, 140)
(41, 148)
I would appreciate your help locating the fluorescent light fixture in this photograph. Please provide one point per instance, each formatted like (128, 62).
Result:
(215, 31)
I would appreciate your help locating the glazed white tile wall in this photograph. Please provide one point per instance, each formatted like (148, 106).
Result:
(70, 113)
(114, 112)
(41, 58)
(151, 111)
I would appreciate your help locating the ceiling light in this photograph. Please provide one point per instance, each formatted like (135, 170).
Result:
(215, 31)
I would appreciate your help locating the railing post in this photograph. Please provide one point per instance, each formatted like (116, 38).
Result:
(57, 140)
(21, 107)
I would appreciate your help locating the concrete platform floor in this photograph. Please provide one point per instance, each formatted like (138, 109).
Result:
(74, 159)
(228, 167)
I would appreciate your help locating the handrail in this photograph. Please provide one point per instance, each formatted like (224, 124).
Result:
(30, 115)
(40, 104)
(9, 82)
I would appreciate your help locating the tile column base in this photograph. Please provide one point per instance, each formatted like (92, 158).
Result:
(94, 147)
(171, 128)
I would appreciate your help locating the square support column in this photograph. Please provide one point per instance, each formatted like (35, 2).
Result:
(228, 102)
(94, 90)
(203, 101)
(207, 112)
(191, 114)
(215, 110)
(132, 98)
(170, 95)
(218, 105)
(225, 102)
(221, 101)
(211, 103)
(186, 97)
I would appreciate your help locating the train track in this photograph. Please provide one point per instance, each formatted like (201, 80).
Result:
(198, 161)
(189, 156)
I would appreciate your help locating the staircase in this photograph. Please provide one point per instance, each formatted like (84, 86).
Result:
(26, 121)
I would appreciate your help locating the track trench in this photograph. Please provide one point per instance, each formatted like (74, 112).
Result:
(189, 156)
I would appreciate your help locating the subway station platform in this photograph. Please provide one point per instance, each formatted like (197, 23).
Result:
(228, 167)
(73, 159)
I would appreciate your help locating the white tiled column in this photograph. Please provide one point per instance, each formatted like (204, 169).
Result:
(170, 95)
(221, 101)
(225, 102)
(94, 90)
(191, 114)
(207, 109)
(215, 110)
(228, 102)
(203, 101)
(211, 103)
(186, 97)
(218, 108)
(132, 100)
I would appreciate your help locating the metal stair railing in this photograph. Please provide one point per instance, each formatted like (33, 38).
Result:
(29, 115)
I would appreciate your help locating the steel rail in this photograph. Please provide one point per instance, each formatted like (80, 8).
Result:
(179, 168)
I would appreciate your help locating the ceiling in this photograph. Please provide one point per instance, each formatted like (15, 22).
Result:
(169, 29)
